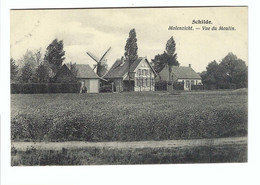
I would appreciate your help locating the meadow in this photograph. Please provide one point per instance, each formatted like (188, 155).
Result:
(107, 156)
(129, 116)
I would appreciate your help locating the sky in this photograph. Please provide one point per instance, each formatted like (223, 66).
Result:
(95, 30)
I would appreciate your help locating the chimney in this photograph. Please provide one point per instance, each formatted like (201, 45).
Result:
(189, 65)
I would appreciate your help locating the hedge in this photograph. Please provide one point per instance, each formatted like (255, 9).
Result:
(178, 86)
(196, 87)
(161, 86)
(40, 88)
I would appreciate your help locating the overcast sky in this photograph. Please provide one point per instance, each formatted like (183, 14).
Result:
(95, 30)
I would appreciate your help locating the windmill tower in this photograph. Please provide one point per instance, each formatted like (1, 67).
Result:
(99, 66)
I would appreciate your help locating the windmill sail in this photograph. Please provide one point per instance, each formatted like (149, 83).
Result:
(100, 66)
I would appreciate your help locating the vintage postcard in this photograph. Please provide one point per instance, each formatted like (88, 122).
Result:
(109, 86)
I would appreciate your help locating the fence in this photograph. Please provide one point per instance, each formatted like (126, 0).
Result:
(40, 88)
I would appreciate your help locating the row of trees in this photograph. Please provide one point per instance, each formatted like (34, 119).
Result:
(230, 73)
(34, 68)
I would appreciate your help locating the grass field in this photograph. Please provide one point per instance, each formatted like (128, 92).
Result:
(128, 116)
(102, 156)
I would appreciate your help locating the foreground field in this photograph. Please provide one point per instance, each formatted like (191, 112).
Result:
(102, 156)
(128, 116)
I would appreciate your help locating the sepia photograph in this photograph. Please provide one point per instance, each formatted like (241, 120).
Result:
(128, 86)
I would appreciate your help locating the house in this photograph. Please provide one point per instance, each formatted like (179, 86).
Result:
(64, 75)
(181, 75)
(88, 77)
(142, 75)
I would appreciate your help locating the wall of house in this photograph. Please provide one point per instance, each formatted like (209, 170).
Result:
(118, 85)
(144, 77)
(188, 82)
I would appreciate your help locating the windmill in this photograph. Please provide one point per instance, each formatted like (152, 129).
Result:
(101, 69)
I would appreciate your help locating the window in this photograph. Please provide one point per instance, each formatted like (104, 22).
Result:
(146, 82)
(139, 72)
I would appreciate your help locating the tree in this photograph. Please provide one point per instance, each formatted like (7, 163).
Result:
(73, 68)
(234, 71)
(27, 74)
(42, 75)
(131, 47)
(211, 77)
(13, 69)
(38, 56)
(170, 46)
(54, 55)
(30, 57)
(169, 57)
(231, 72)
(131, 51)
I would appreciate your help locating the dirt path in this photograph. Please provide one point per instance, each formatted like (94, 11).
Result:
(22, 146)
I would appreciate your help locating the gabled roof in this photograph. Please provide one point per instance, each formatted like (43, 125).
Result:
(85, 71)
(120, 68)
(184, 72)
(64, 75)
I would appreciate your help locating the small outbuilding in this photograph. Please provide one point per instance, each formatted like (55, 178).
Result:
(88, 78)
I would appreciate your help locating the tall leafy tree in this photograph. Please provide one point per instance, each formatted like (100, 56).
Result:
(169, 57)
(170, 46)
(131, 51)
(131, 47)
(55, 55)
(13, 69)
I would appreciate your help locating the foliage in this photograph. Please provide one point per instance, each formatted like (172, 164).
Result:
(131, 47)
(54, 55)
(33, 58)
(103, 156)
(169, 57)
(36, 88)
(161, 60)
(106, 88)
(170, 46)
(110, 117)
(13, 69)
(27, 73)
(231, 72)
(42, 74)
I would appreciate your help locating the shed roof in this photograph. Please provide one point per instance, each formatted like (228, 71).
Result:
(85, 71)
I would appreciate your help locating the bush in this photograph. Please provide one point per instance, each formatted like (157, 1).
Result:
(161, 86)
(178, 86)
(105, 88)
(40, 88)
(196, 87)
